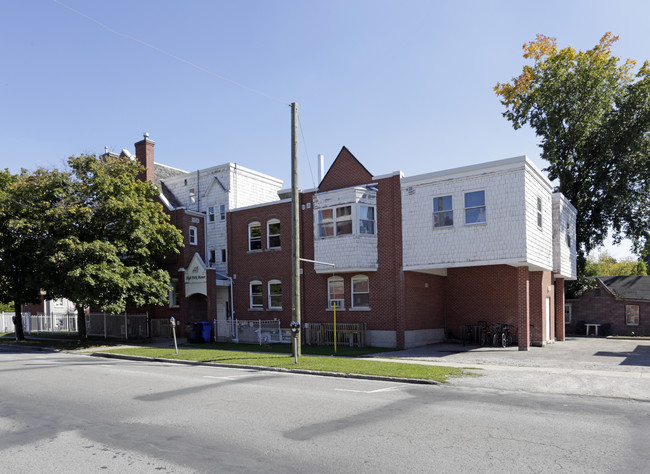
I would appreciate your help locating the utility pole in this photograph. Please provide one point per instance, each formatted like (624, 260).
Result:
(295, 229)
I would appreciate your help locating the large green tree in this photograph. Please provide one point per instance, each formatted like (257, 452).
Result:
(592, 113)
(607, 265)
(116, 234)
(31, 206)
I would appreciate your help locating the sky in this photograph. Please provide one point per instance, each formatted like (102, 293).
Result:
(404, 85)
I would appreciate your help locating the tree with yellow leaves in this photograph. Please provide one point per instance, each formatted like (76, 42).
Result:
(592, 113)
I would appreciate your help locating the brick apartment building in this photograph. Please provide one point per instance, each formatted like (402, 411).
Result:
(414, 258)
(411, 259)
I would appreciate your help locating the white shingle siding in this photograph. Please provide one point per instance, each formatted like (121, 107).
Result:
(510, 234)
(564, 250)
(230, 185)
(352, 251)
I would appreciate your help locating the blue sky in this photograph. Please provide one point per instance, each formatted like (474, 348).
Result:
(404, 85)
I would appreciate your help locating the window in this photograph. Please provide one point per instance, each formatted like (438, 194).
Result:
(222, 212)
(58, 303)
(475, 207)
(539, 212)
(254, 236)
(568, 235)
(223, 255)
(443, 216)
(193, 236)
(343, 220)
(213, 257)
(360, 292)
(325, 223)
(256, 299)
(275, 294)
(335, 292)
(273, 233)
(211, 214)
(567, 313)
(173, 293)
(192, 196)
(632, 314)
(337, 221)
(366, 220)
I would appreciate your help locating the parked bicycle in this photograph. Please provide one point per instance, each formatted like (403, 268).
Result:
(485, 333)
(506, 335)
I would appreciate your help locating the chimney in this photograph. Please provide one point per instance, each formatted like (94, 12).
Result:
(321, 168)
(144, 155)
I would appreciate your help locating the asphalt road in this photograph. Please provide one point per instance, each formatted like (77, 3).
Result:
(79, 414)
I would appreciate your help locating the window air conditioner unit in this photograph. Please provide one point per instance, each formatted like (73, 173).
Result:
(339, 303)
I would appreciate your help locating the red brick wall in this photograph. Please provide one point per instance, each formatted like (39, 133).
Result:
(263, 265)
(387, 301)
(606, 309)
(559, 309)
(425, 301)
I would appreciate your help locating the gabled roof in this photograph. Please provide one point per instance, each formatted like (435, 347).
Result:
(345, 172)
(628, 287)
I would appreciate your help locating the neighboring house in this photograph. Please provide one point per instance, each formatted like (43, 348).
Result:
(414, 257)
(56, 307)
(620, 304)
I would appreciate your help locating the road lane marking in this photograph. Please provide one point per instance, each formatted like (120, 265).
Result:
(387, 389)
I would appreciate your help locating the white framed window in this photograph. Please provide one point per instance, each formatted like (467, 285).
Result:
(360, 291)
(335, 221)
(539, 212)
(475, 207)
(567, 313)
(254, 236)
(335, 292)
(273, 234)
(193, 236)
(366, 220)
(256, 298)
(222, 212)
(632, 314)
(211, 214)
(443, 214)
(173, 293)
(275, 294)
(192, 196)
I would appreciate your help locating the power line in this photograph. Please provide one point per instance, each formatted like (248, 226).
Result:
(304, 144)
(166, 53)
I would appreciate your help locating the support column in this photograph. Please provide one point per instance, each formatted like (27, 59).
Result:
(523, 312)
(559, 309)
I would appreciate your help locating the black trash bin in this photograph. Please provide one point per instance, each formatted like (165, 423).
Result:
(195, 334)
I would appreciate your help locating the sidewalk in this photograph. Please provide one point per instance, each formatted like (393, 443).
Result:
(579, 366)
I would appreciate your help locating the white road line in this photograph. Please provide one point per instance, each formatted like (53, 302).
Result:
(387, 389)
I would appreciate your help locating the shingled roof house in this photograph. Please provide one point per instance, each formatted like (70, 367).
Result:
(620, 305)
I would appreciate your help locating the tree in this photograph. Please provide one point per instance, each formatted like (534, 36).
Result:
(607, 265)
(593, 116)
(30, 208)
(115, 233)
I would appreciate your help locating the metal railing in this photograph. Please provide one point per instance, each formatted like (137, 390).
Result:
(119, 326)
(347, 334)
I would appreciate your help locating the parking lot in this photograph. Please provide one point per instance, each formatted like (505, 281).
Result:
(592, 366)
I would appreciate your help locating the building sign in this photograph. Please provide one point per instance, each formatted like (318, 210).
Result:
(195, 277)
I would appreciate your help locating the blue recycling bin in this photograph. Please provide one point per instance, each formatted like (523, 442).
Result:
(206, 328)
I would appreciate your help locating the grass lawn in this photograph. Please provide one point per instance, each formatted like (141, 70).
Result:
(344, 365)
(348, 360)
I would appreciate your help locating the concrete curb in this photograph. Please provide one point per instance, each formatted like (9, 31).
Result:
(268, 369)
